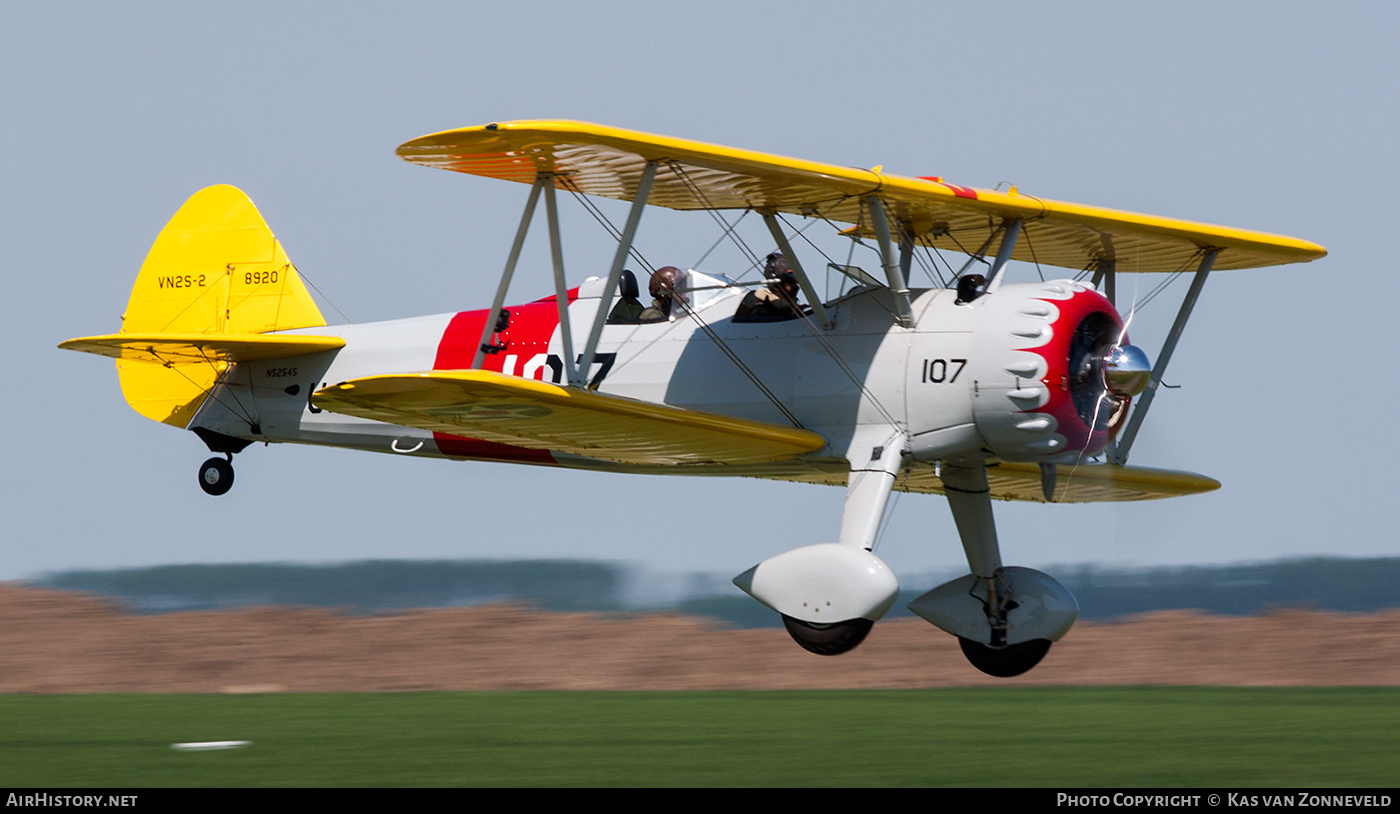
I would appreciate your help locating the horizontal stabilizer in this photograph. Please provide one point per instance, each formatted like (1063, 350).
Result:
(538, 415)
(182, 349)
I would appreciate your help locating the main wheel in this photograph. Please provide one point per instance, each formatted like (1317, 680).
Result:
(1005, 662)
(828, 640)
(216, 476)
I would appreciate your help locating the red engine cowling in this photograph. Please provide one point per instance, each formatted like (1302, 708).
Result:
(1039, 353)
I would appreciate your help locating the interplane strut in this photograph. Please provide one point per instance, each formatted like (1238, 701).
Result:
(499, 302)
(1010, 232)
(624, 247)
(1118, 453)
(898, 287)
(776, 229)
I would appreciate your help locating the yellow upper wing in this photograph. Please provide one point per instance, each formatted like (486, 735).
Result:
(608, 162)
(538, 415)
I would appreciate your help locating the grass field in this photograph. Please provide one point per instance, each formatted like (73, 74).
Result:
(1121, 736)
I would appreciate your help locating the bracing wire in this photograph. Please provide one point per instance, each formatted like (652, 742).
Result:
(727, 228)
(236, 408)
(739, 363)
(323, 295)
(818, 334)
(810, 325)
(929, 266)
(979, 255)
(1026, 235)
(1162, 286)
(719, 343)
(720, 239)
(952, 275)
(802, 233)
(591, 208)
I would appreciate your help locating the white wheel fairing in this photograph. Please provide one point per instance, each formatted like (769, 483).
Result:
(823, 584)
(1044, 608)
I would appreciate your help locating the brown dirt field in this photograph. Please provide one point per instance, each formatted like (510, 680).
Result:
(61, 642)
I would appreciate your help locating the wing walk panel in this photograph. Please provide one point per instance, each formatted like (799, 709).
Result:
(608, 162)
(538, 415)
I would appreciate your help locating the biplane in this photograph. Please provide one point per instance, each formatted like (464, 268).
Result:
(975, 387)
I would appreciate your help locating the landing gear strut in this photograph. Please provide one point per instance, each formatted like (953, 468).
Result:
(1046, 607)
(216, 475)
(830, 594)
(828, 640)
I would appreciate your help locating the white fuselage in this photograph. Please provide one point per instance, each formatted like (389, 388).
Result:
(935, 382)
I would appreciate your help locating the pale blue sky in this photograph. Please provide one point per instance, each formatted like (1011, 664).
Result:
(1271, 116)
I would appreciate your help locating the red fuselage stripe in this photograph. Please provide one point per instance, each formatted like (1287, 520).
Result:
(525, 342)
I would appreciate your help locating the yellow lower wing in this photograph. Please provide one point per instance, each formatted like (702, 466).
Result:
(1096, 483)
(538, 415)
(1090, 483)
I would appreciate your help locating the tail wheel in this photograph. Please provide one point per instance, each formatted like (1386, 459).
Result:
(828, 640)
(216, 476)
(1005, 662)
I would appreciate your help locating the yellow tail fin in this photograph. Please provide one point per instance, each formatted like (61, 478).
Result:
(216, 269)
